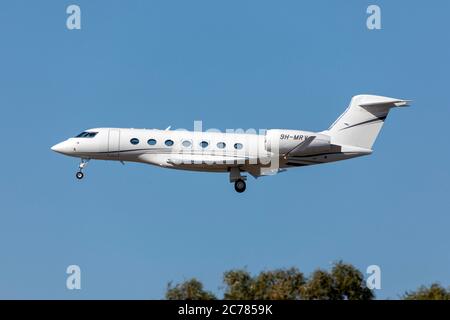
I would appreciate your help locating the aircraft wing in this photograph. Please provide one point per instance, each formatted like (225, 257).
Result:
(302, 146)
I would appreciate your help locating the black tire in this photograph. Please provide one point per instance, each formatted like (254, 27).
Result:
(240, 186)
(79, 175)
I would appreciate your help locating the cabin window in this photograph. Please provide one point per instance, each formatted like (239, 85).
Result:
(204, 144)
(221, 145)
(151, 142)
(86, 135)
(168, 143)
(134, 141)
(238, 146)
(186, 143)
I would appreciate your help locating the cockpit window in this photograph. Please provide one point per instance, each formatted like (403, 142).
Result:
(86, 134)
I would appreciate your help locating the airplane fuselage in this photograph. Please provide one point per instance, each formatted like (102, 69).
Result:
(352, 135)
(206, 151)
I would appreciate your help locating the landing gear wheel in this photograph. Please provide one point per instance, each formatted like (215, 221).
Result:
(79, 175)
(240, 186)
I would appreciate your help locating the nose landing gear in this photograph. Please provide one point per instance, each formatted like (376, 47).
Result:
(83, 164)
(79, 175)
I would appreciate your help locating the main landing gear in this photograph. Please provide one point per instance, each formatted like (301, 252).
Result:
(240, 186)
(238, 179)
(83, 164)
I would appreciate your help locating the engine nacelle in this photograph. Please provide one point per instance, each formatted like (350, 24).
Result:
(285, 141)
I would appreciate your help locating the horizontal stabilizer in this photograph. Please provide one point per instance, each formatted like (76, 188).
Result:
(387, 103)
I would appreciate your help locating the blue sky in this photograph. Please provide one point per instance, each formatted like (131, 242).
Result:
(231, 64)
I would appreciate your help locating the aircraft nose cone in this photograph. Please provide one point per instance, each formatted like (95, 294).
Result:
(56, 147)
(61, 147)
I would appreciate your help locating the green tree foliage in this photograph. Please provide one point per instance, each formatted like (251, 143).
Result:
(281, 284)
(349, 283)
(342, 282)
(189, 290)
(239, 285)
(433, 292)
(320, 286)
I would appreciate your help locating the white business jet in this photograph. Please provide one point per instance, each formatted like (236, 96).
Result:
(351, 135)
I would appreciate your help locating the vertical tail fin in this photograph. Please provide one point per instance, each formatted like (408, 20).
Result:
(361, 123)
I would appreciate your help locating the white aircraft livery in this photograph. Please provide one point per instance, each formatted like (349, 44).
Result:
(351, 135)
